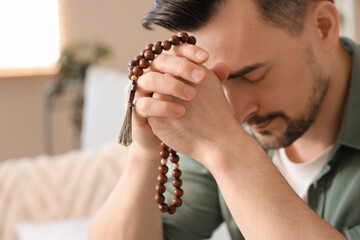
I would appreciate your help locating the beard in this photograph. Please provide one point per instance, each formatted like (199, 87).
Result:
(295, 127)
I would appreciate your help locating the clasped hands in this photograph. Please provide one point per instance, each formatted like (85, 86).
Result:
(181, 102)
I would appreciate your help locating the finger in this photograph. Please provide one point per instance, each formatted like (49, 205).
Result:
(179, 67)
(149, 107)
(192, 52)
(165, 84)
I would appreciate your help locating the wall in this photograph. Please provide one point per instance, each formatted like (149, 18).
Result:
(117, 23)
(113, 22)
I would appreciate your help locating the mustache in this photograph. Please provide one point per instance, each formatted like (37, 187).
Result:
(256, 119)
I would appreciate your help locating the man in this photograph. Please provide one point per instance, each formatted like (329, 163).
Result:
(277, 67)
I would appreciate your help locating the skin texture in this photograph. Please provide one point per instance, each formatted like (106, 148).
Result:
(199, 103)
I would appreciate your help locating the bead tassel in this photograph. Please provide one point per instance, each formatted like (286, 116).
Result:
(125, 137)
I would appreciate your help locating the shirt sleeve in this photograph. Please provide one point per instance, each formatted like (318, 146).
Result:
(200, 212)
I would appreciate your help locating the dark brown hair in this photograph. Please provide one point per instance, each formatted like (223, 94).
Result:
(189, 15)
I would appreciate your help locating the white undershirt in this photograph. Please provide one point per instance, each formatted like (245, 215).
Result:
(299, 175)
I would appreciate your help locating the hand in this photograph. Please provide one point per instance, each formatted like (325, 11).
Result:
(208, 116)
(154, 81)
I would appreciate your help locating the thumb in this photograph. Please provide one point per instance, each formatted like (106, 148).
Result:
(221, 70)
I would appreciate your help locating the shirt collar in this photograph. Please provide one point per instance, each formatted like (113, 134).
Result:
(350, 126)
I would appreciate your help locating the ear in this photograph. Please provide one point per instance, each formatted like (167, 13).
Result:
(325, 18)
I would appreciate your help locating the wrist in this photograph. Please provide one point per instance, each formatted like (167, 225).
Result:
(146, 157)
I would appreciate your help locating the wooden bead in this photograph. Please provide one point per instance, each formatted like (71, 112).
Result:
(173, 151)
(184, 37)
(172, 209)
(157, 49)
(143, 63)
(133, 63)
(142, 52)
(159, 198)
(163, 161)
(163, 145)
(160, 188)
(130, 68)
(164, 153)
(174, 40)
(149, 46)
(138, 58)
(174, 158)
(176, 165)
(177, 202)
(166, 45)
(137, 71)
(192, 40)
(176, 173)
(162, 178)
(134, 78)
(130, 74)
(163, 208)
(177, 182)
(178, 192)
(149, 55)
(163, 169)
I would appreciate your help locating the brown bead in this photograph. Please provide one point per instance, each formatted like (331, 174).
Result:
(134, 78)
(192, 40)
(138, 58)
(184, 37)
(166, 45)
(130, 74)
(149, 55)
(163, 208)
(130, 68)
(149, 46)
(172, 151)
(160, 188)
(137, 71)
(164, 153)
(178, 192)
(177, 182)
(162, 178)
(177, 202)
(143, 63)
(133, 63)
(163, 145)
(163, 169)
(159, 198)
(157, 49)
(172, 209)
(175, 40)
(176, 173)
(142, 52)
(174, 158)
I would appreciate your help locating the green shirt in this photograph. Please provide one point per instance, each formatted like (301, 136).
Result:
(334, 195)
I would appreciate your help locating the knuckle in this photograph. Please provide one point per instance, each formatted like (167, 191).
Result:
(183, 65)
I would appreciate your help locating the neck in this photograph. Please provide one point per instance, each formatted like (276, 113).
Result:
(325, 130)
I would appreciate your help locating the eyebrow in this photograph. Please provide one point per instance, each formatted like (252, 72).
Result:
(245, 70)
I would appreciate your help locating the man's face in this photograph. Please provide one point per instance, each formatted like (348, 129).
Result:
(276, 84)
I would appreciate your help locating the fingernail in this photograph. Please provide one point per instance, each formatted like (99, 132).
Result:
(198, 74)
(201, 54)
(179, 110)
(189, 92)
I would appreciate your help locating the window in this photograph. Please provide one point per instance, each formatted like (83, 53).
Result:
(29, 34)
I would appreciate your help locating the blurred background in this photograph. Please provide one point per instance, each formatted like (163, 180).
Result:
(63, 67)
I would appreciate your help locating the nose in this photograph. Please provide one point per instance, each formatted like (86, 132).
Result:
(242, 102)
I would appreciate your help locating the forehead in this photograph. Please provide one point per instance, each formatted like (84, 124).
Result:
(237, 35)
